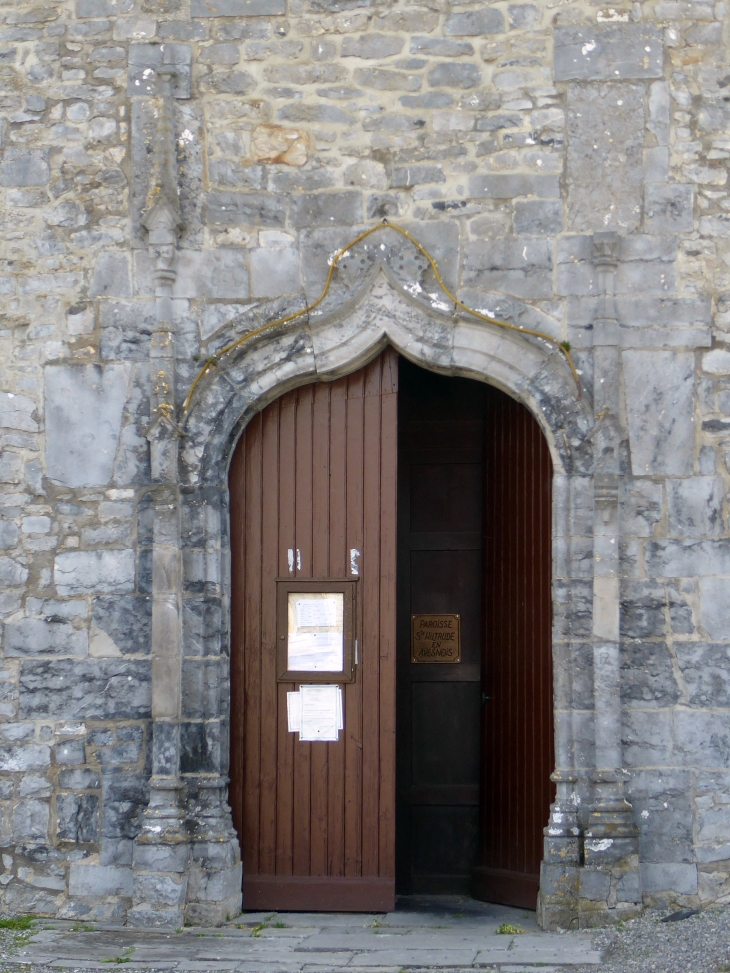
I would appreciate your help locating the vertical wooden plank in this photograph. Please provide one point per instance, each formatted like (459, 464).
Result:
(518, 727)
(387, 579)
(306, 479)
(303, 533)
(354, 692)
(253, 444)
(338, 566)
(287, 542)
(237, 486)
(320, 796)
(269, 693)
(370, 620)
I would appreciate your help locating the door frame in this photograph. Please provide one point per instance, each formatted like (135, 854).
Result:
(334, 345)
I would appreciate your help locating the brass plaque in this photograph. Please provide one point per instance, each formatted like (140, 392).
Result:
(435, 639)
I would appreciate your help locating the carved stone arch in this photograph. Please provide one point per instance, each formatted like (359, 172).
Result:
(337, 341)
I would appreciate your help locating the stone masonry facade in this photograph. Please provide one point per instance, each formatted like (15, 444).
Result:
(176, 173)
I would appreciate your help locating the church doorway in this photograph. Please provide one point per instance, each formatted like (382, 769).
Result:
(475, 727)
(398, 498)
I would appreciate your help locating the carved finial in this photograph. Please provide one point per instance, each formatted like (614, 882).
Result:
(162, 211)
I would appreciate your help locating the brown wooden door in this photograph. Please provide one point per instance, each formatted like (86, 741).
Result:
(315, 474)
(440, 570)
(475, 739)
(517, 668)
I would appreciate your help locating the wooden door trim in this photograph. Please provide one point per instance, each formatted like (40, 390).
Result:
(322, 893)
(500, 885)
(347, 587)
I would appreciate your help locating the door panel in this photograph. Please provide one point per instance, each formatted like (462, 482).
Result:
(474, 539)
(440, 571)
(315, 473)
(517, 670)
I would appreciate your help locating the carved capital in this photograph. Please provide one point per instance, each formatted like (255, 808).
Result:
(605, 490)
(605, 250)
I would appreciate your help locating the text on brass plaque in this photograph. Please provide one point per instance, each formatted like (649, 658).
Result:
(435, 638)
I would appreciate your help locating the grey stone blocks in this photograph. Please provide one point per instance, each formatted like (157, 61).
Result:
(503, 141)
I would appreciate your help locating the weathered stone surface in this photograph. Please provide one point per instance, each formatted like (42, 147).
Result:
(647, 678)
(120, 626)
(448, 75)
(272, 143)
(78, 818)
(538, 217)
(111, 276)
(17, 412)
(508, 186)
(695, 506)
(83, 417)
(660, 416)
(608, 52)
(503, 139)
(38, 636)
(326, 209)
(87, 880)
(669, 208)
(275, 271)
(371, 45)
(246, 209)
(605, 156)
(220, 273)
(473, 23)
(103, 572)
(145, 60)
(100, 689)
(519, 266)
(237, 8)
(21, 167)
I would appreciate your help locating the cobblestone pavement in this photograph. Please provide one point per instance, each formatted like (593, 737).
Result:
(699, 944)
(462, 937)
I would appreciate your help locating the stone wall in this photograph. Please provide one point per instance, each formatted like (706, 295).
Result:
(504, 137)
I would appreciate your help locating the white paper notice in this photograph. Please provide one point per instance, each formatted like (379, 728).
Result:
(321, 712)
(319, 611)
(294, 712)
(316, 652)
(315, 640)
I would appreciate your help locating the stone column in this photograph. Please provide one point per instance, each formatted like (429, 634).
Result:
(162, 848)
(610, 879)
(557, 904)
(187, 863)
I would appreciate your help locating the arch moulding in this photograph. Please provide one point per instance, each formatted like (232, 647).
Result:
(346, 332)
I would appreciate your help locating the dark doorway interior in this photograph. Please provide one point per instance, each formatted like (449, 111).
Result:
(474, 738)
